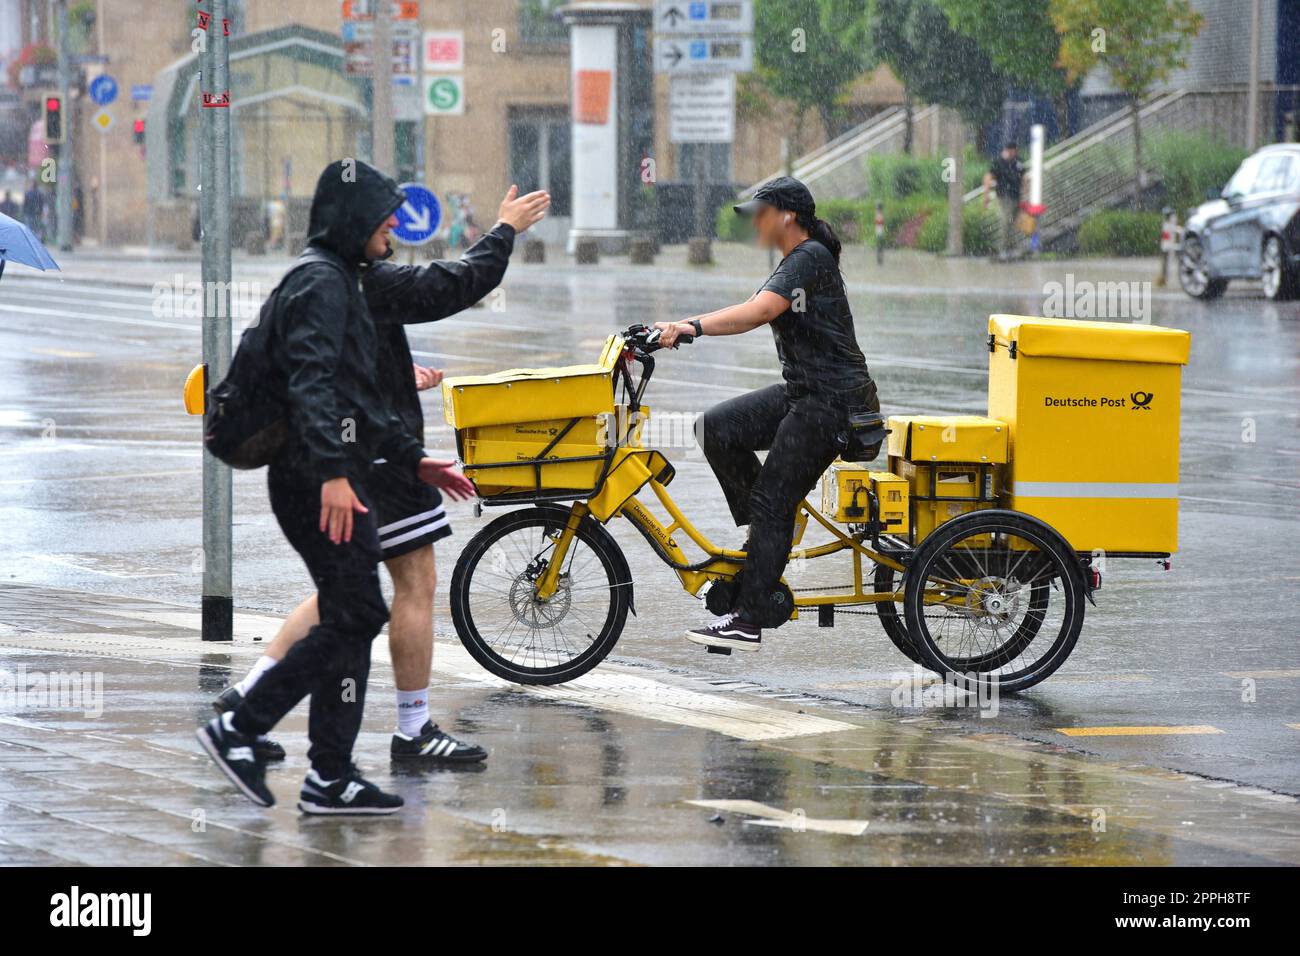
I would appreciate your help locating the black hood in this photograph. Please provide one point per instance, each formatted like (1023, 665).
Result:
(352, 200)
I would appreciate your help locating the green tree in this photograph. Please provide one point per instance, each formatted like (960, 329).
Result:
(935, 63)
(809, 52)
(1140, 42)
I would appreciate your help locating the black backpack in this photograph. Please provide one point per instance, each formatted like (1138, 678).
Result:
(247, 420)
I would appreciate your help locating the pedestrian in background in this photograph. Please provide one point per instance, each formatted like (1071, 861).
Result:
(34, 209)
(1006, 177)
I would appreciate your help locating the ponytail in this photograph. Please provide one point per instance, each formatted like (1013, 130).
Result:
(821, 230)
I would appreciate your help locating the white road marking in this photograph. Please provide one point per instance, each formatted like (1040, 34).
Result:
(607, 688)
(785, 819)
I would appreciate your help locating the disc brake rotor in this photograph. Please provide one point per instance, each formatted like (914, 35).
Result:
(530, 610)
(992, 603)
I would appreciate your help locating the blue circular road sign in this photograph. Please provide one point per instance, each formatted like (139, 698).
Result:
(103, 89)
(417, 218)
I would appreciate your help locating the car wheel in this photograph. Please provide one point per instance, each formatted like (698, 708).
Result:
(1279, 281)
(1194, 272)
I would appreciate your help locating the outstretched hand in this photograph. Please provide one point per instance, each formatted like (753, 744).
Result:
(444, 476)
(426, 378)
(523, 211)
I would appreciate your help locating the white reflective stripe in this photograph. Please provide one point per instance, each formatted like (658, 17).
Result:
(1094, 489)
(435, 513)
(240, 753)
(422, 530)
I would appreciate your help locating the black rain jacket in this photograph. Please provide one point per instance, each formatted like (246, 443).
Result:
(323, 339)
(405, 295)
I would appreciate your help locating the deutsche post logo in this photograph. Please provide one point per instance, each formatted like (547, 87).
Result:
(1142, 400)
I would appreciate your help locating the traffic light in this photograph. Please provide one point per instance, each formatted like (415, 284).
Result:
(137, 130)
(52, 114)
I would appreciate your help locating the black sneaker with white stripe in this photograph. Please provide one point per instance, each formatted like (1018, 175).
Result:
(351, 794)
(435, 746)
(228, 701)
(730, 630)
(236, 756)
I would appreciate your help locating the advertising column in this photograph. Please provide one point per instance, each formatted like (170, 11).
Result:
(593, 46)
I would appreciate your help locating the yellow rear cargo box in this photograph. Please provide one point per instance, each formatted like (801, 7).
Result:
(532, 394)
(971, 438)
(1093, 414)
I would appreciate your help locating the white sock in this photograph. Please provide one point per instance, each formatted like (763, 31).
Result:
(412, 711)
(264, 664)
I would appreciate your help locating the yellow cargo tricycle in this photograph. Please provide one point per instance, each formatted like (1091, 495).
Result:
(977, 546)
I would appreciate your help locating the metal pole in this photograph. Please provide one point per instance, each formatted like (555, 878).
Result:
(381, 116)
(1252, 81)
(956, 190)
(218, 605)
(103, 139)
(63, 176)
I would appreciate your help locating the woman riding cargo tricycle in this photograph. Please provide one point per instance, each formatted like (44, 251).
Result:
(977, 545)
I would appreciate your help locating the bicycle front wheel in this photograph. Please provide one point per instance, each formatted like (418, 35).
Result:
(520, 637)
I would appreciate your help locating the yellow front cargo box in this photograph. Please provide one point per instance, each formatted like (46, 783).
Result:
(532, 394)
(1093, 414)
(948, 438)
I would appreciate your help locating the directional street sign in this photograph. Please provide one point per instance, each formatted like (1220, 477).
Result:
(704, 54)
(142, 92)
(702, 108)
(713, 16)
(418, 217)
(103, 89)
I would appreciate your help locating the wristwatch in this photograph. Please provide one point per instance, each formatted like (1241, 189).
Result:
(699, 329)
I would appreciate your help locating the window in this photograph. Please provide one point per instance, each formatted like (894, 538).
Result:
(1277, 174)
(539, 24)
(1243, 180)
(540, 155)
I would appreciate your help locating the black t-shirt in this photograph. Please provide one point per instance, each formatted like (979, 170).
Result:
(815, 339)
(1008, 174)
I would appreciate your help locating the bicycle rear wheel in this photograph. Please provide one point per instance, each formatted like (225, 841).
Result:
(996, 598)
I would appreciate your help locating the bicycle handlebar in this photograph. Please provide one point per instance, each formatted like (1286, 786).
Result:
(644, 340)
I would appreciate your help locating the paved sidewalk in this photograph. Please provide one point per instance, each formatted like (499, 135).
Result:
(628, 765)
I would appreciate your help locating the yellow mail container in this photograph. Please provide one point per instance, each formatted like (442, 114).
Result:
(845, 489)
(972, 438)
(1093, 414)
(532, 394)
(575, 466)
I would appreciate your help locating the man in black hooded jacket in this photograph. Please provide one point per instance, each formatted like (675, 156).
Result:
(323, 342)
(409, 513)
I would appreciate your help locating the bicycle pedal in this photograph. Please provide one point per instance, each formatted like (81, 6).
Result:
(718, 650)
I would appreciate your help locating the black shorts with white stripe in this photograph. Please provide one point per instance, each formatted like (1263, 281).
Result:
(409, 512)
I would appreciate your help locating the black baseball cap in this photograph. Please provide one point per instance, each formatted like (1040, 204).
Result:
(783, 192)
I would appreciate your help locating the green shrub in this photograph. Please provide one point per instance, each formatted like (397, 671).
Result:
(1192, 164)
(732, 228)
(897, 175)
(1120, 232)
(845, 216)
(979, 231)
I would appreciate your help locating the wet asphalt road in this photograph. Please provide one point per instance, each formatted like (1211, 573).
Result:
(99, 489)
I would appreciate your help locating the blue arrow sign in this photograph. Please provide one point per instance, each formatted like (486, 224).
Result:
(417, 218)
(103, 89)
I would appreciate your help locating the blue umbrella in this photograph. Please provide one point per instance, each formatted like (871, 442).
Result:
(19, 244)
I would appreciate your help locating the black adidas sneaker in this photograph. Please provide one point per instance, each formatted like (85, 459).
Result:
(234, 753)
(435, 746)
(350, 794)
(731, 630)
(228, 701)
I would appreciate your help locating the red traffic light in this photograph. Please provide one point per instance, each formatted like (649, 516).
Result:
(139, 126)
(53, 104)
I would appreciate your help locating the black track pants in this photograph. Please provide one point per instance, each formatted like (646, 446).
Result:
(802, 437)
(332, 663)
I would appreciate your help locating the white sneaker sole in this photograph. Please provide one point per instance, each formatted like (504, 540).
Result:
(734, 643)
(316, 809)
(209, 745)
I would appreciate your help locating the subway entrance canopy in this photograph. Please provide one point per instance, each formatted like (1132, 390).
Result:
(294, 109)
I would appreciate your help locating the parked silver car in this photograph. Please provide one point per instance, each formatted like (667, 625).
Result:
(1251, 232)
